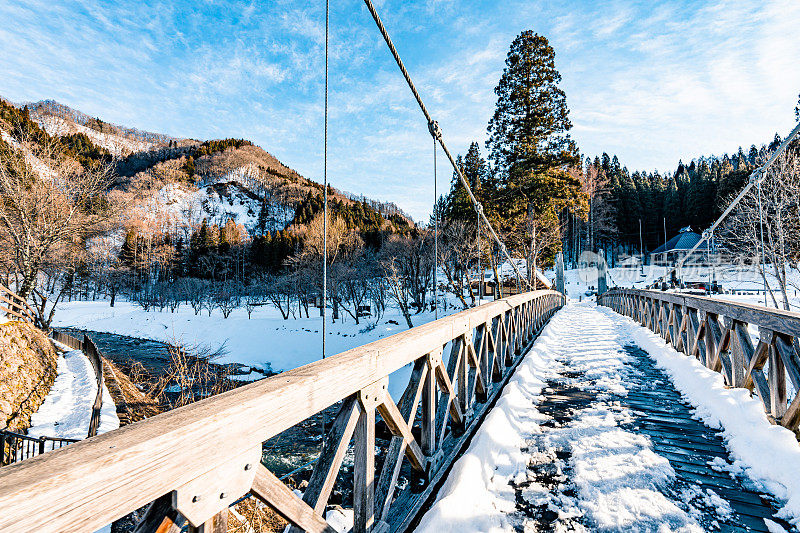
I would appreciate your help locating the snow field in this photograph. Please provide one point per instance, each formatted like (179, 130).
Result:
(578, 280)
(265, 341)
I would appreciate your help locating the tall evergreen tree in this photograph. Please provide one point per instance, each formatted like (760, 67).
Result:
(473, 166)
(529, 141)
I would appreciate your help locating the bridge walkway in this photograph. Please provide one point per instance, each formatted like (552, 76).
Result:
(616, 447)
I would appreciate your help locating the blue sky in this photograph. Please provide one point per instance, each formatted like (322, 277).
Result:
(649, 81)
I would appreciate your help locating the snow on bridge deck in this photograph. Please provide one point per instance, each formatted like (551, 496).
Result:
(590, 434)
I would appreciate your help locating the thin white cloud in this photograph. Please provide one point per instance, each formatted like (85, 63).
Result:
(651, 83)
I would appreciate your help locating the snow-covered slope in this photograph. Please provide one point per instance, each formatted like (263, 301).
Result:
(37, 164)
(186, 206)
(219, 199)
(117, 145)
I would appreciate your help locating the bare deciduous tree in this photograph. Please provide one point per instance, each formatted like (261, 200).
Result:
(279, 290)
(342, 245)
(778, 205)
(354, 280)
(399, 287)
(408, 267)
(196, 293)
(50, 205)
(457, 248)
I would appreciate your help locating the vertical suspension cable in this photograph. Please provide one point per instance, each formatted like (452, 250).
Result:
(761, 252)
(480, 272)
(435, 238)
(325, 190)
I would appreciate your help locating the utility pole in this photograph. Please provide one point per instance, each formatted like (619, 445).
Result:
(560, 272)
(641, 247)
(591, 226)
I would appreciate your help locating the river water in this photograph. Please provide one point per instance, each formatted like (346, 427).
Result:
(284, 453)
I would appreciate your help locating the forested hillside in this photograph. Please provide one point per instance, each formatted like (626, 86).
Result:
(695, 194)
(217, 215)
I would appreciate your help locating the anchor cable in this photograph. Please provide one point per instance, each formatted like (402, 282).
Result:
(436, 132)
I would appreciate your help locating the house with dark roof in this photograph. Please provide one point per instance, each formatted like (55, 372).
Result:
(678, 247)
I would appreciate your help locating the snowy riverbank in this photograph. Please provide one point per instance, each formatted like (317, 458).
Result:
(265, 340)
(67, 409)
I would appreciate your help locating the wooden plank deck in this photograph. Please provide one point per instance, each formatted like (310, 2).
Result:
(688, 444)
(659, 412)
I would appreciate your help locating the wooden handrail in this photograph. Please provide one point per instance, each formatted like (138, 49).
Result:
(691, 324)
(207, 454)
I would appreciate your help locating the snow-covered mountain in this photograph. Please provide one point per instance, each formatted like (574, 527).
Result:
(118, 146)
(164, 183)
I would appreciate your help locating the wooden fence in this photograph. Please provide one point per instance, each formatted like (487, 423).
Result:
(717, 333)
(14, 306)
(194, 461)
(89, 349)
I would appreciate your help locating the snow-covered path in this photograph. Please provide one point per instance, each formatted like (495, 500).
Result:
(67, 409)
(590, 435)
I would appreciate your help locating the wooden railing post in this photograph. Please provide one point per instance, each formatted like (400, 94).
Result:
(777, 384)
(364, 457)
(485, 370)
(742, 352)
(428, 422)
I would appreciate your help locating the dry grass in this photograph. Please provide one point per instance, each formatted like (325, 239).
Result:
(189, 375)
(252, 516)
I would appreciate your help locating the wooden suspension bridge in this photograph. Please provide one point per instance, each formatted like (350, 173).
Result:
(192, 463)
(195, 461)
(189, 465)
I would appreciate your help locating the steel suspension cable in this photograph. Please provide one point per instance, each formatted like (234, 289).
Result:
(436, 132)
(325, 188)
